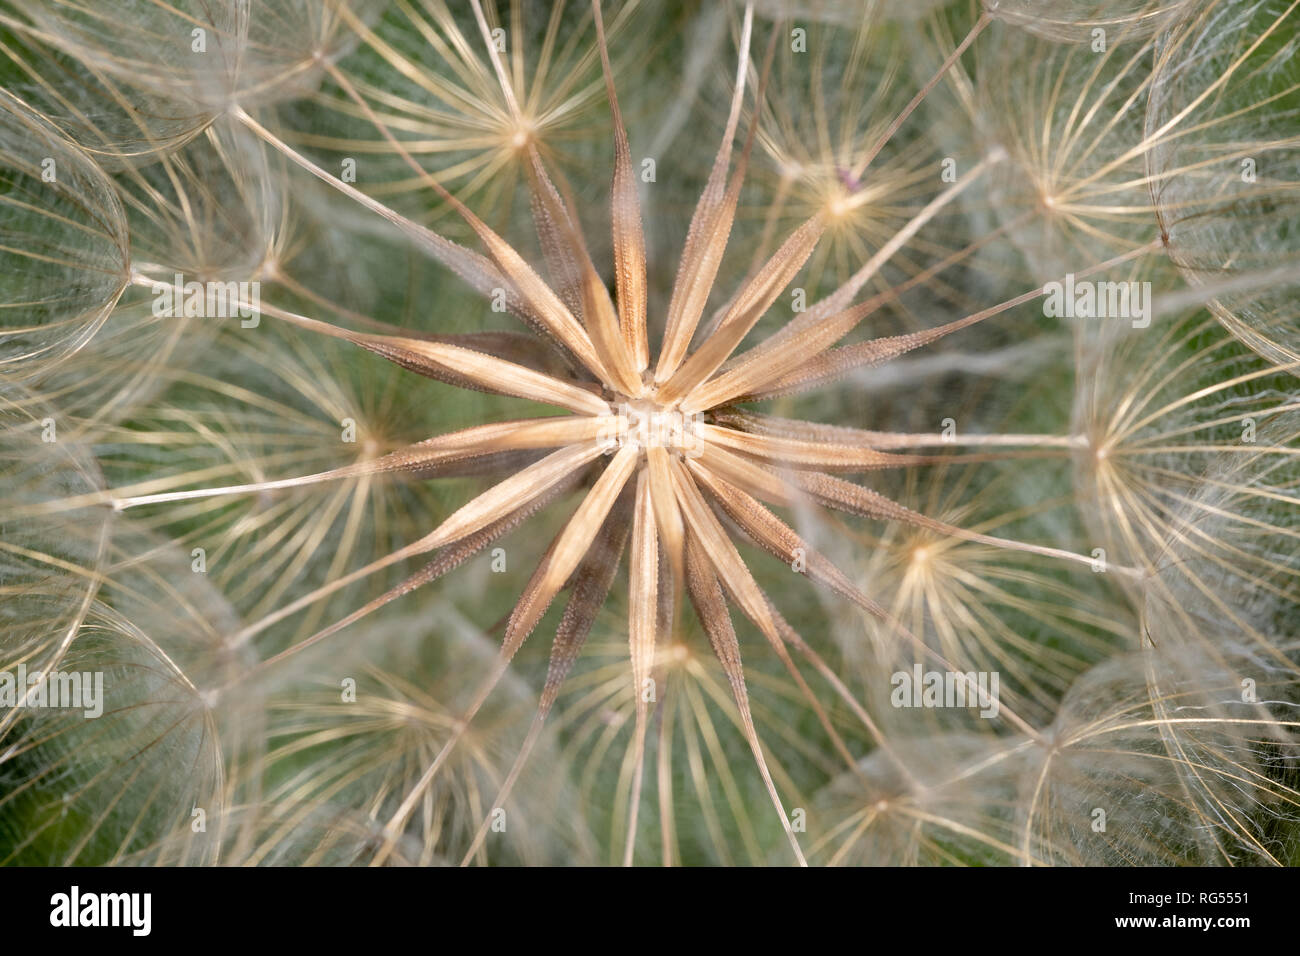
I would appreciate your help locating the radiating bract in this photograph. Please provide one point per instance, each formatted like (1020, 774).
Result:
(352, 730)
(260, 403)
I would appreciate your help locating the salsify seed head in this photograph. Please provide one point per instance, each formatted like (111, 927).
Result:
(791, 428)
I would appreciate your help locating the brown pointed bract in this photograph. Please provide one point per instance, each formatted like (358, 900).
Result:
(650, 437)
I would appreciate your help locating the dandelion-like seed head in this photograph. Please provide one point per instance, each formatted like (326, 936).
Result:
(661, 453)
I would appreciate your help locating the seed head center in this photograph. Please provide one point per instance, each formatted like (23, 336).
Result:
(644, 423)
